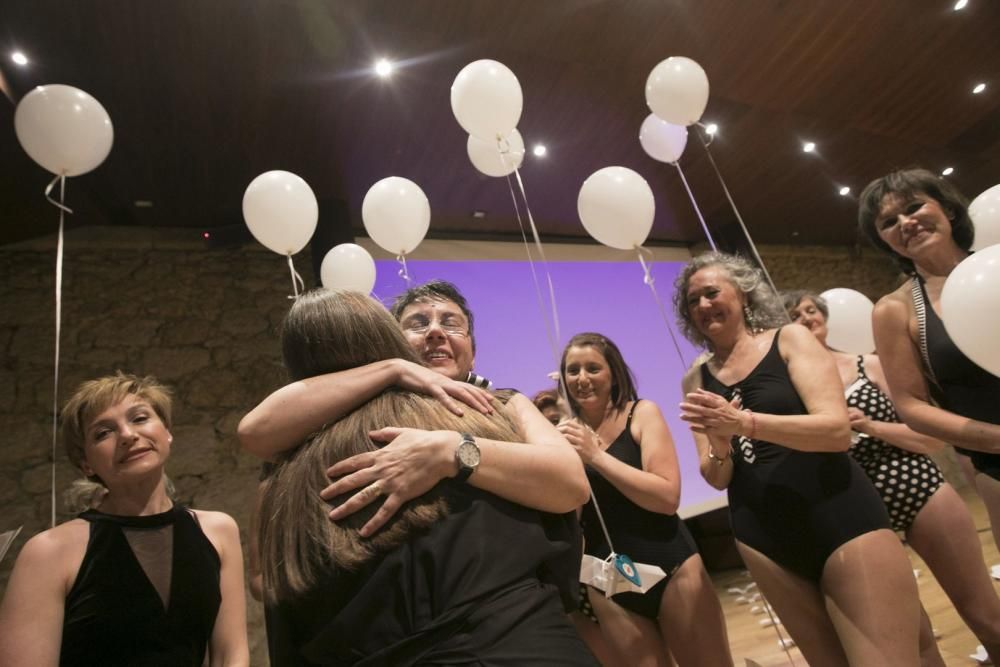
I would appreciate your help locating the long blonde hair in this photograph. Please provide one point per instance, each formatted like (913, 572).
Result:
(298, 542)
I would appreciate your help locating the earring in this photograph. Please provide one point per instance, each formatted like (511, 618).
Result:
(751, 320)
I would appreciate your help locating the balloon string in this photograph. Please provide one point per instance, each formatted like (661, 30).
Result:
(697, 210)
(403, 272)
(550, 322)
(651, 282)
(739, 218)
(63, 210)
(297, 284)
(554, 328)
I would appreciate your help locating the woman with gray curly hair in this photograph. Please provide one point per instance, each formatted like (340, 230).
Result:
(771, 427)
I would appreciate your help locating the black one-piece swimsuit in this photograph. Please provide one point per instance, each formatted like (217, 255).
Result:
(794, 507)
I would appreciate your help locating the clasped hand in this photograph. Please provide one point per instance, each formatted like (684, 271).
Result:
(583, 439)
(409, 465)
(712, 415)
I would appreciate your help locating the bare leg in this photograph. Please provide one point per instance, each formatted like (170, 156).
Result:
(930, 655)
(945, 537)
(800, 607)
(871, 597)
(592, 636)
(691, 617)
(634, 639)
(989, 491)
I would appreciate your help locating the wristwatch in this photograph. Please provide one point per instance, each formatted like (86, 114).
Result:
(467, 457)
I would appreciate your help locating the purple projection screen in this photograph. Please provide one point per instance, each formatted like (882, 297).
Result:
(513, 350)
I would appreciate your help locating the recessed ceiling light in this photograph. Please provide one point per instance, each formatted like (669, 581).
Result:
(383, 68)
(948, 171)
(980, 87)
(808, 147)
(961, 4)
(143, 203)
(844, 191)
(711, 129)
(539, 150)
(19, 58)
(479, 215)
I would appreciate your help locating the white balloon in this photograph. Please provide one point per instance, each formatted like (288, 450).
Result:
(970, 308)
(281, 211)
(985, 213)
(661, 140)
(616, 207)
(63, 129)
(677, 91)
(849, 326)
(396, 214)
(485, 155)
(486, 99)
(348, 266)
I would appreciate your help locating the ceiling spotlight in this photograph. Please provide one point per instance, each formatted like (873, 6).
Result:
(539, 150)
(19, 58)
(808, 147)
(961, 4)
(478, 214)
(844, 191)
(948, 171)
(711, 129)
(980, 87)
(383, 68)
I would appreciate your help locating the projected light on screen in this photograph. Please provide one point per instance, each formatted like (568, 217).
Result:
(607, 297)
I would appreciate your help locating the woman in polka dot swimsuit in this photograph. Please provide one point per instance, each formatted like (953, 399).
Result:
(922, 505)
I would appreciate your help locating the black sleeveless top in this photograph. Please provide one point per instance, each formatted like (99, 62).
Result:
(643, 535)
(966, 389)
(147, 592)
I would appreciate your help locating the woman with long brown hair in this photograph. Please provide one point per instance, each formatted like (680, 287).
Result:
(457, 573)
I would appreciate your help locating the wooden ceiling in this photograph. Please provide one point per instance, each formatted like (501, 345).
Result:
(205, 95)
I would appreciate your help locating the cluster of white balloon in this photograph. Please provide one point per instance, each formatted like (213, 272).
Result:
(281, 211)
(487, 101)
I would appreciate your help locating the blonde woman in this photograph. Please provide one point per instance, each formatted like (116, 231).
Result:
(137, 580)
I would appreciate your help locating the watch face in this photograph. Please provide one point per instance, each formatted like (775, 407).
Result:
(468, 454)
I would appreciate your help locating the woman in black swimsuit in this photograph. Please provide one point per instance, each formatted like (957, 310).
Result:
(922, 505)
(633, 473)
(137, 580)
(922, 221)
(771, 426)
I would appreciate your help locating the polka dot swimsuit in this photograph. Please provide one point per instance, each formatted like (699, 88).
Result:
(905, 480)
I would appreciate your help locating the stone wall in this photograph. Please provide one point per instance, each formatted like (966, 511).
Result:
(203, 321)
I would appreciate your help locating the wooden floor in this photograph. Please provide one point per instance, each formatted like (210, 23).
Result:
(752, 641)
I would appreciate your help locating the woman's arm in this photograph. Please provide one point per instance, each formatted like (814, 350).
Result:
(813, 371)
(902, 364)
(657, 487)
(895, 433)
(543, 472)
(289, 415)
(717, 471)
(228, 644)
(31, 615)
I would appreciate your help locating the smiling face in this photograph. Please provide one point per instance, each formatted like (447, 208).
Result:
(588, 377)
(912, 225)
(126, 440)
(438, 332)
(808, 314)
(714, 304)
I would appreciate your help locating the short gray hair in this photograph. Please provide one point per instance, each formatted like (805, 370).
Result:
(764, 306)
(793, 298)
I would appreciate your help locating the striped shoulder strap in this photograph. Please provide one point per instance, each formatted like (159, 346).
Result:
(920, 308)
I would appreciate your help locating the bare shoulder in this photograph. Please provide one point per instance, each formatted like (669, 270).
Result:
(57, 549)
(220, 528)
(895, 304)
(795, 338)
(646, 409)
